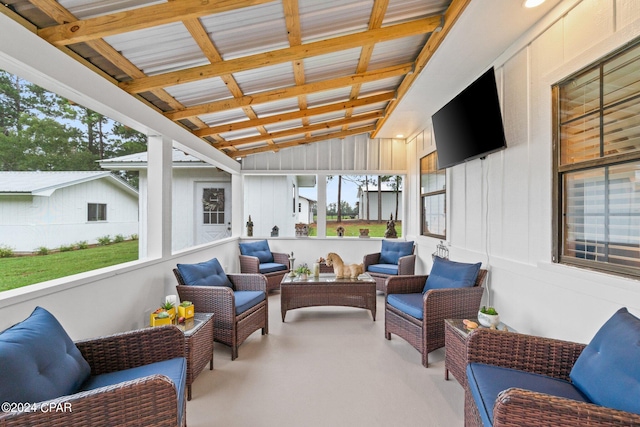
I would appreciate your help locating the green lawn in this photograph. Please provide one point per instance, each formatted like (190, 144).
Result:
(352, 228)
(27, 270)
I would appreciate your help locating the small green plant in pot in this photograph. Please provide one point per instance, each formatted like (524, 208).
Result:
(303, 270)
(488, 317)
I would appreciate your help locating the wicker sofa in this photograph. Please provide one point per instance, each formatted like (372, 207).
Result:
(128, 379)
(517, 379)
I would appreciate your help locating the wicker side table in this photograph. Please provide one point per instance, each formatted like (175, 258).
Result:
(455, 343)
(198, 339)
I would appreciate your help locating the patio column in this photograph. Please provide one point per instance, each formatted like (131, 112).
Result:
(322, 205)
(159, 185)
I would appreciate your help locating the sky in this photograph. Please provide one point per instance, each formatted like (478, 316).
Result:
(349, 192)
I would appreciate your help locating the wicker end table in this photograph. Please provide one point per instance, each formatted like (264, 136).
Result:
(198, 339)
(455, 343)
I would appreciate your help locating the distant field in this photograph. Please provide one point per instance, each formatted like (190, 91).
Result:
(27, 270)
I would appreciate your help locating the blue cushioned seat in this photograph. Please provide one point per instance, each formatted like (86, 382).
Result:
(246, 299)
(175, 369)
(412, 304)
(607, 370)
(446, 274)
(487, 381)
(208, 273)
(270, 267)
(39, 361)
(384, 269)
(259, 249)
(392, 251)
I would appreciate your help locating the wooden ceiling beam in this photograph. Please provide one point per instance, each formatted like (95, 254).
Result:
(452, 14)
(392, 32)
(279, 94)
(294, 115)
(303, 141)
(79, 31)
(304, 129)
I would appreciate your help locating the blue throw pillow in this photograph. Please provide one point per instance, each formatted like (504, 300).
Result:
(258, 249)
(39, 361)
(607, 371)
(451, 274)
(391, 251)
(209, 273)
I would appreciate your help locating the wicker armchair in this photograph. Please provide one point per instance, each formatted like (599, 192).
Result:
(544, 356)
(273, 267)
(229, 328)
(427, 334)
(380, 270)
(149, 400)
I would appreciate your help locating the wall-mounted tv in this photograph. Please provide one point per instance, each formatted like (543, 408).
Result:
(470, 125)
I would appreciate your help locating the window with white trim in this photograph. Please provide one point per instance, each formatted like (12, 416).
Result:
(96, 212)
(433, 197)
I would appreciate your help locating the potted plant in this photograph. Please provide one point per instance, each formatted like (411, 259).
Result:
(160, 317)
(488, 317)
(170, 308)
(303, 271)
(186, 309)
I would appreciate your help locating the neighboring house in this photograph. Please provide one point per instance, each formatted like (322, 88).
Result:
(305, 210)
(53, 209)
(201, 198)
(389, 199)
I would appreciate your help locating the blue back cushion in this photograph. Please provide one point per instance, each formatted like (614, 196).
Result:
(39, 361)
(391, 251)
(208, 273)
(259, 249)
(451, 274)
(607, 371)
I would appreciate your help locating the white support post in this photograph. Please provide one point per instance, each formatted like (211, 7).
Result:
(322, 206)
(159, 205)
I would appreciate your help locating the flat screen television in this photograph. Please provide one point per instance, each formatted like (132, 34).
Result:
(470, 125)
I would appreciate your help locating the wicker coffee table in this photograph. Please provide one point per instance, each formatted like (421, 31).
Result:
(327, 290)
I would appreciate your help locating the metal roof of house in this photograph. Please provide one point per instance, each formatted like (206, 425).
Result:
(45, 183)
(139, 161)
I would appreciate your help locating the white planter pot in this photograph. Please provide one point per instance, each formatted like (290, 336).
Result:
(488, 320)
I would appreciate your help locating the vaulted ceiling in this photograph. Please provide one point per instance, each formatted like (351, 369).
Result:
(250, 76)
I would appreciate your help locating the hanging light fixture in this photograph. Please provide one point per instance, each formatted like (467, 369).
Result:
(532, 3)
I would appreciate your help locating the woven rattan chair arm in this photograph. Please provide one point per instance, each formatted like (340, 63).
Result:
(149, 400)
(405, 284)
(132, 349)
(545, 356)
(518, 407)
(370, 259)
(249, 264)
(281, 258)
(209, 299)
(457, 303)
(406, 265)
(248, 282)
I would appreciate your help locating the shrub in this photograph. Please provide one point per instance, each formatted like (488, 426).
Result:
(104, 240)
(42, 250)
(6, 251)
(82, 244)
(118, 239)
(66, 248)
(134, 237)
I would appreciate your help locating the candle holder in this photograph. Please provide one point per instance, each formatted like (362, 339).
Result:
(291, 264)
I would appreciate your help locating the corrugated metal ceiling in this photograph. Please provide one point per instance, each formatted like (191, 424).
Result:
(247, 74)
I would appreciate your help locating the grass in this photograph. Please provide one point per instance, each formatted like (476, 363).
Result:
(352, 228)
(27, 270)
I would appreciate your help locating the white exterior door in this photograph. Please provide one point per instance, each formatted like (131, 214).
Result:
(213, 211)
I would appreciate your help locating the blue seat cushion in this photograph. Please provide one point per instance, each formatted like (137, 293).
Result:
(411, 304)
(259, 249)
(174, 369)
(392, 251)
(391, 269)
(487, 381)
(271, 267)
(39, 361)
(607, 370)
(208, 273)
(247, 299)
(450, 274)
